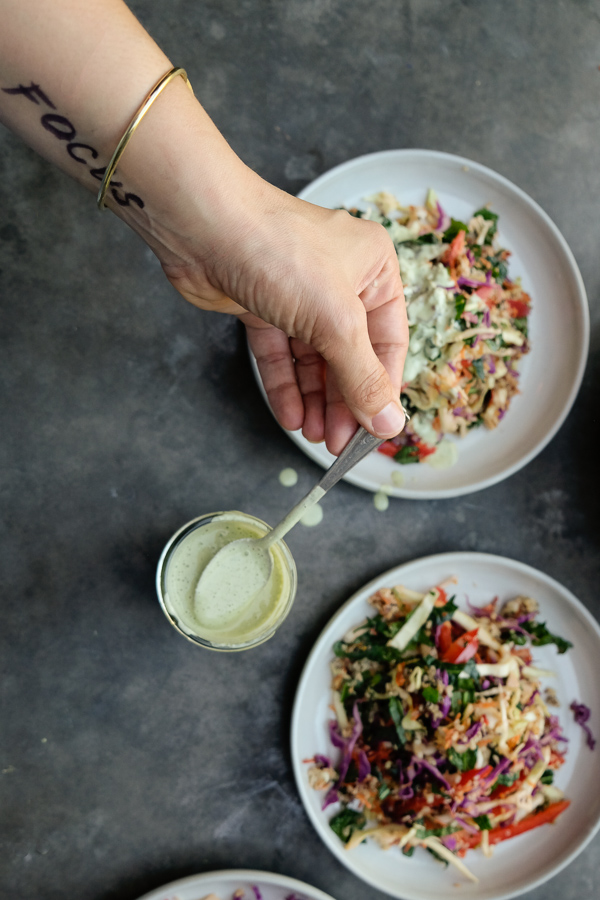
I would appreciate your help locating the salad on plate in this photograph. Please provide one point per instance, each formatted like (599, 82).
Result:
(447, 739)
(468, 324)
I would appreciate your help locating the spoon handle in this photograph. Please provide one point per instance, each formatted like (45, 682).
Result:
(355, 450)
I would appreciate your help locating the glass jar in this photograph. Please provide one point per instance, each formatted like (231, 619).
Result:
(182, 562)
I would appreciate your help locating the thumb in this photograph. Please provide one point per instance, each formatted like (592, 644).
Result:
(363, 382)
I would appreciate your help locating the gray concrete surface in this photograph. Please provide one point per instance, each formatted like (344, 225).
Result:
(128, 757)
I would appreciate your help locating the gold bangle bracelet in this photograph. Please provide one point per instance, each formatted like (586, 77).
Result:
(114, 161)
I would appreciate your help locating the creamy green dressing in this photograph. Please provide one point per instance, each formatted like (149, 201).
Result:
(288, 477)
(228, 618)
(236, 577)
(381, 501)
(312, 516)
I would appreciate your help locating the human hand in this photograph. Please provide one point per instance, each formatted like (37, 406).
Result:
(319, 292)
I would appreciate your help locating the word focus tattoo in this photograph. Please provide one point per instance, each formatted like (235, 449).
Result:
(63, 130)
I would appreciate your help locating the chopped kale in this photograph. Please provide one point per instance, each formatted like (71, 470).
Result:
(423, 832)
(439, 614)
(376, 652)
(431, 694)
(499, 268)
(455, 226)
(346, 822)
(407, 454)
(397, 714)
(439, 858)
(541, 635)
(460, 301)
(515, 636)
(507, 779)
(463, 762)
(477, 366)
(521, 324)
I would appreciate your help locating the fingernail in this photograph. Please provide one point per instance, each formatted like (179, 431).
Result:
(390, 421)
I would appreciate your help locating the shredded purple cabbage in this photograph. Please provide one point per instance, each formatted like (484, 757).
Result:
(323, 762)
(445, 704)
(472, 731)
(336, 739)
(423, 764)
(466, 825)
(532, 698)
(331, 796)
(364, 766)
(257, 892)
(346, 745)
(443, 221)
(477, 610)
(498, 770)
(582, 713)
(513, 624)
(468, 282)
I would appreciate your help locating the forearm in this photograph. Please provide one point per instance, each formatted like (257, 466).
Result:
(72, 75)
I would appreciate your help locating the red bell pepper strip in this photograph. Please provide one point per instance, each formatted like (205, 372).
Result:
(444, 638)
(532, 821)
(503, 790)
(468, 779)
(519, 309)
(455, 249)
(504, 832)
(388, 448)
(462, 649)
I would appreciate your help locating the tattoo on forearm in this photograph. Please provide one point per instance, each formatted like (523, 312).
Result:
(63, 130)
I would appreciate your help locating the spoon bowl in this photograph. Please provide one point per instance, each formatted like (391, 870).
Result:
(217, 596)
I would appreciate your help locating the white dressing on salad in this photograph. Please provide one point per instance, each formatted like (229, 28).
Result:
(468, 324)
(444, 456)
(430, 308)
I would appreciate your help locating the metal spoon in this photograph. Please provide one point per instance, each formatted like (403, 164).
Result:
(214, 588)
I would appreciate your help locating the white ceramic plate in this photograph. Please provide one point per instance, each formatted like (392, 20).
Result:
(224, 883)
(526, 861)
(559, 323)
